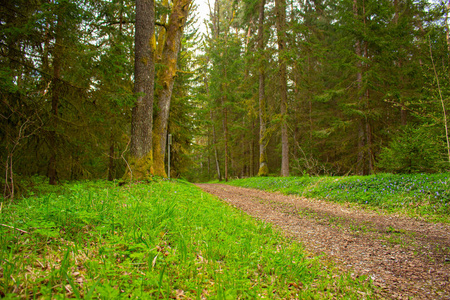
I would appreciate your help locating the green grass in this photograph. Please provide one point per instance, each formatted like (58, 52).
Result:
(157, 240)
(425, 196)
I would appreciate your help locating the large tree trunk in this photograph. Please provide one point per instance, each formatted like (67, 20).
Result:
(144, 70)
(281, 27)
(166, 79)
(263, 167)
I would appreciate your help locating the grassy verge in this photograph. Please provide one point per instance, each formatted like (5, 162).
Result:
(158, 240)
(417, 195)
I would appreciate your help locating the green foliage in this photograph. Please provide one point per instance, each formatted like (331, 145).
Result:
(413, 150)
(147, 241)
(419, 195)
(79, 54)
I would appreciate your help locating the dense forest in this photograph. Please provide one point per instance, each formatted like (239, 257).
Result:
(92, 89)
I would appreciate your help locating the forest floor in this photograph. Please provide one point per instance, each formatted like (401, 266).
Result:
(404, 257)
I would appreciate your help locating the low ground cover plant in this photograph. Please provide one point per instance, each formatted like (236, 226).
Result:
(148, 241)
(419, 195)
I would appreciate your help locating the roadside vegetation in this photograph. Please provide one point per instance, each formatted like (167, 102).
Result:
(157, 240)
(424, 196)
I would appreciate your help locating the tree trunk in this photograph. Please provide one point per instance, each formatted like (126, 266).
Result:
(281, 27)
(361, 123)
(216, 154)
(166, 79)
(214, 138)
(403, 112)
(263, 167)
(56, 91)
(252, 150)
(111, 167)
(447, 26)
(225, 129)
(370, 157)
(144, 70)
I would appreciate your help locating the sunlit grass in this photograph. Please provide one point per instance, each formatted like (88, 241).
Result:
(157, 240)
(425, 196)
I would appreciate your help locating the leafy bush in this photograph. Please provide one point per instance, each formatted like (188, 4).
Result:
(413, 150)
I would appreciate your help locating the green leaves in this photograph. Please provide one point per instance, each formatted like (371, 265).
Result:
(414, 150)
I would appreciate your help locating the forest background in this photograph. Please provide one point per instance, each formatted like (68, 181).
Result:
(285, 87)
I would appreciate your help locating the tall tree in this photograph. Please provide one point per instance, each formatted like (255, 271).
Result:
(281, 35)
(142, 115)
(166, 79)
(263, 166)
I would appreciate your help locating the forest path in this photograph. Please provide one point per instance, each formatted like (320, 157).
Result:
(406, 258)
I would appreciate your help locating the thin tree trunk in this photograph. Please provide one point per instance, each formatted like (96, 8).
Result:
(144, 69)
(56, 87)
(369, 147)
(281, 27)
(111, 167)
(166, 79)
(361, 123)
(224, 88)
(209, 154)
(263, 167)
(252, 151)
(225, 128)
(216, 152)
(442, 103)
(403, 112)
(447, 25)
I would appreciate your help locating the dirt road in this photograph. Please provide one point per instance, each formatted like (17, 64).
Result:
(405, 258)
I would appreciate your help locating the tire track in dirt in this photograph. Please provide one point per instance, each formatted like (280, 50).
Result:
(405, 258)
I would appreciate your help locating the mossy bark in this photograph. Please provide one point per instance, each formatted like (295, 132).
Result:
(166, 78)
(140, 168)
(140, 164)
(263, 167)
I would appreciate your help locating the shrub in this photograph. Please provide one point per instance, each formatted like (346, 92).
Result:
(413, 150)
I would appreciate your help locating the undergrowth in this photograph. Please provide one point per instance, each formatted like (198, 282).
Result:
(426, 196)
(157, 240)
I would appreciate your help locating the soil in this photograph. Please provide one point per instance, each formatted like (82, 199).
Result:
(405, 258)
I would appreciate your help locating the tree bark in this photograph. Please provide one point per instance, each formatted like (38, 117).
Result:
(403, 112)
(166, 79)
(252, 150)
(263, 167)
(225, 128)
(56, 92)
(281, 35)
(214, 141)
(111, 165)
(361, 123)
(144, 70)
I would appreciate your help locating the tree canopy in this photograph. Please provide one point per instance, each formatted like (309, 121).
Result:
(271, 87)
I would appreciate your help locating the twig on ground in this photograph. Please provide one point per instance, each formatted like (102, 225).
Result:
(20, 230)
